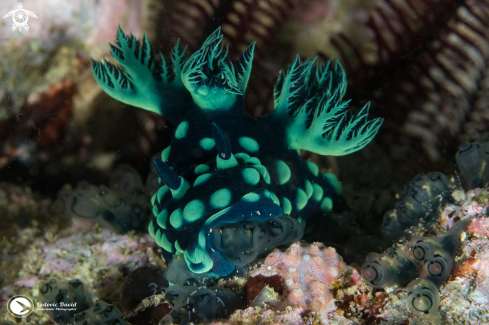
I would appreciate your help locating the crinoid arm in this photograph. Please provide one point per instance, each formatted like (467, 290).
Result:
(142, 82)
(213, 81)
(309, 106)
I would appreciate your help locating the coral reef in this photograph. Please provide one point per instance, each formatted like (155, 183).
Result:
(100, 258)
(144, 282)
(123, 206)
(199, 304)
(307, 273)
(100, 313)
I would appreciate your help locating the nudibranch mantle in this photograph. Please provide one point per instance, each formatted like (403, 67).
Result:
(233, 186)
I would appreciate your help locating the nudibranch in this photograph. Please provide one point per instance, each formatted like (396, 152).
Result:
(234, 186)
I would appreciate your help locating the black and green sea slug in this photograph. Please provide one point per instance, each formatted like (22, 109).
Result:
(234, 186)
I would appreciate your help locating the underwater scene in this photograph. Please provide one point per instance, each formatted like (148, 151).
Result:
(244, 162)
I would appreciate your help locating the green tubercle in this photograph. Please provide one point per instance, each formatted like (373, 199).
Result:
(242, 156)
(200, 169)
(253, 161)
(162, 219)
(309, 189)
(161, 192)
(263, 172)
(249, 144)
(221, 198)
(286, 206)
(165, 154)
(318, 192)
(181, 131)
(163, 242)
(275, 199)
(251, 197)
(178, 247)
(334, 182)
(151, 229)
(283, 172)
(207, 143)
(251, 176)
(313, 168)
(202, 179)
(326, 204)
(301, 199)
(194, 210)
(176, 219)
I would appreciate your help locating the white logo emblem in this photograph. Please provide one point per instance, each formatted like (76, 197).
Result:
(20, 17)
(20, 306)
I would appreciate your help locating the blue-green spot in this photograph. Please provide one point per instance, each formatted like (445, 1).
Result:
(251, 197)
(283, 172)
(333, 180)
(207, 143)
(263, 172)
(249, 144)
(301, 199)
(155, 210)
(318, 192)
(163, 242)
(201, 240)
(200, 169)
(165, 154)
(161, 192)
(253, 160)
(202, 179)
(153, 199)
(162, 219)
(176, 218)
(326, 204)
(242, 156)
(309, 189)
(194, 210)
(313, 168)
(251, 176)
(286, 206)
(302, 222)
(151, 229)
(178, 247)
(181, 130)
(221, 198)
(275, 199)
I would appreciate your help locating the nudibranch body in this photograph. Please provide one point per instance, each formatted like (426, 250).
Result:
(234, 186)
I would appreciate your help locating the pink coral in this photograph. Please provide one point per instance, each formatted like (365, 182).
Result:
(308, 272)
